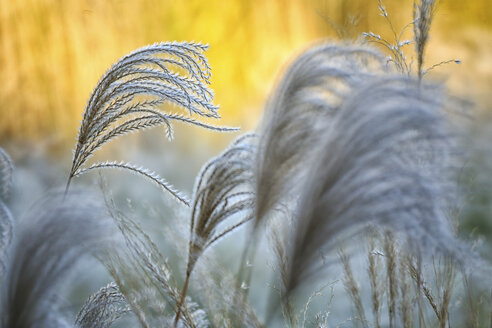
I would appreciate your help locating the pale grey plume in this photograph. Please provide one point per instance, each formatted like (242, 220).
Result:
(308, 95)
(6, 218)
(130, 95)
(46, 246)
(103, 308)
(223, 190)
(386, 159)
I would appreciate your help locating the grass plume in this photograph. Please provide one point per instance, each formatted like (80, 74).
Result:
(130, 95)
(46, 247)
(307, 96)
(384, 160)
(376, 290)
(223, 190)
(103, 308)
(391, 271)
(395, 47)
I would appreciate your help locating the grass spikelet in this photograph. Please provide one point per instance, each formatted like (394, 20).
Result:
(223, 190)
(422, 19)
(391, 274)
(352, 288)
(417, 276)
(46, 247)
(6, 218)
(142, 172)
(395, 47)
(445, 284)
(6, 172)
(280, 251)
(130, 94)
(103, 308)
(376, 291)
(308, 94)
(384, 160)
(406, 305)
(423, 13)
(6, 234)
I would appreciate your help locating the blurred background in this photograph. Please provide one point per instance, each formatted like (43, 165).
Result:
(53, 52)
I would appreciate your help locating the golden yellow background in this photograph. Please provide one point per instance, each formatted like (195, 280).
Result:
(52, 53)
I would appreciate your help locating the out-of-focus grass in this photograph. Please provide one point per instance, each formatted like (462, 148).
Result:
(53, 52)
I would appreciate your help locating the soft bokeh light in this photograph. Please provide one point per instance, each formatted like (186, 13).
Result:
(52, 53)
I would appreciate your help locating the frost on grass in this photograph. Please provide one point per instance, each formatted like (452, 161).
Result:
(130, 97)
(223, 191)
(103, 308)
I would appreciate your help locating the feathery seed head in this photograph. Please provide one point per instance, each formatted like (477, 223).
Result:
(306, 98)
(386, 159)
